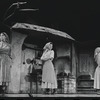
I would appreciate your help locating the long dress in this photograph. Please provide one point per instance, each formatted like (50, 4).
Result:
(5, 63)
(49, 79)
(97, 74)
(97, 78)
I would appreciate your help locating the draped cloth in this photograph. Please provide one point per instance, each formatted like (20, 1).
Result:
(49, 79)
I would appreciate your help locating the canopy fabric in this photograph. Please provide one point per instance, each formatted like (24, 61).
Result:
(41, 29)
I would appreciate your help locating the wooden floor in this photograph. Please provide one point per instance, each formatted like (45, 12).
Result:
(53, 95)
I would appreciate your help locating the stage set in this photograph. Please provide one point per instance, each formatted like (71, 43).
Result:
(74, 62)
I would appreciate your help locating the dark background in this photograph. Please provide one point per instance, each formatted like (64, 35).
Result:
(78, 18)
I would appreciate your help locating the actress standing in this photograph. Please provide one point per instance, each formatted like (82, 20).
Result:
(5, 61)
(97, 71)
(49, 80)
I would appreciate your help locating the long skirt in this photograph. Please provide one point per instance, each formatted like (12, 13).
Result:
(5, 66)
(97, 78)
(49, 79)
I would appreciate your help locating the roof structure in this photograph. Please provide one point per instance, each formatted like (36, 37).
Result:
(41, 29)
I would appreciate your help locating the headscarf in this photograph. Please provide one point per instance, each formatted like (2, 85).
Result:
(47, 46)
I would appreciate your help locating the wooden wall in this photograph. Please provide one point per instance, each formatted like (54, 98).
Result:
(74, 59)
(86, 62)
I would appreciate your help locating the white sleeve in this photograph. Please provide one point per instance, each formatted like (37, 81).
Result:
(48, 56)
(52, 54)
(42, 57)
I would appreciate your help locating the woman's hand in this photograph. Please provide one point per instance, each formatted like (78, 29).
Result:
(51, 59)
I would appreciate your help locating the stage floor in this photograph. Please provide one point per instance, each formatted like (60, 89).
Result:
(54, 95)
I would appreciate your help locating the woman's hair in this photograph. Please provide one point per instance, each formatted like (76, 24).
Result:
(47, 45)
(51, 43)
(96, 52)
(6, 36)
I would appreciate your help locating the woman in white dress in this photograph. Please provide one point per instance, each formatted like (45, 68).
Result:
(97, 71)
(49, 80)
(5, 61)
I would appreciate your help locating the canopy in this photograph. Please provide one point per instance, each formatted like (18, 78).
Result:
(33, 27)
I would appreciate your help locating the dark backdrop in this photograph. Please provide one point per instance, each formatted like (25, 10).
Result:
(78, 18)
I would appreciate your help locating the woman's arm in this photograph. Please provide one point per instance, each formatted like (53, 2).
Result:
(44, 58)
(48, 56)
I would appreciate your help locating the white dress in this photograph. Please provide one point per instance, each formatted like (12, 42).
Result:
(49, 79)
(97, 74)
(5, 63)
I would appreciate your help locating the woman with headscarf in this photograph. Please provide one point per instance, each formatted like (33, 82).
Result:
(49, 80)
(97, 71)
(5, 60)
